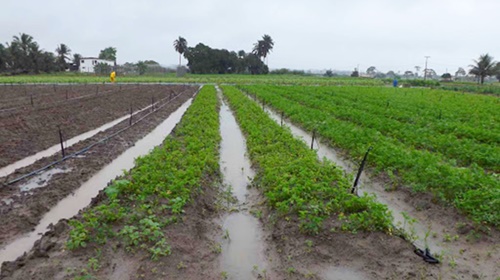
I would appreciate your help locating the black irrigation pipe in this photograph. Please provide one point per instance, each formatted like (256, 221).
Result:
(84, 150)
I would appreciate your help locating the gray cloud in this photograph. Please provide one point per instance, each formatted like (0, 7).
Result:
(389, 34)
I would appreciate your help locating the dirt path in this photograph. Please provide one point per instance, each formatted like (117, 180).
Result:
(464, 251)
(26, 208)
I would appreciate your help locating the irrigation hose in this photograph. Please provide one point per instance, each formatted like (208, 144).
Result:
(84, 150)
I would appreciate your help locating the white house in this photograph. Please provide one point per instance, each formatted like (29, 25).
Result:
(87, 64)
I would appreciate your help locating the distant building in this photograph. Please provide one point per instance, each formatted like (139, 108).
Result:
(87, 64)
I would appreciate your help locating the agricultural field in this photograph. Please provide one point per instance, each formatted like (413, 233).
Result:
(191, 78)
(25, 201)
(231, 191)
(442, 142)
(27, 129)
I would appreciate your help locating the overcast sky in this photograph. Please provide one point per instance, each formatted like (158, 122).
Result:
(316, 34)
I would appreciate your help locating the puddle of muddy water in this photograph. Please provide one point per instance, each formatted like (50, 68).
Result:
(69, 206)
(340, 273)
(235, 164)
(7, 201)
(243, 248)
(4, 171)
(41, 180)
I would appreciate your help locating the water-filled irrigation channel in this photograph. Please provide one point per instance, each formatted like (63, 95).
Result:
(69, 206)
(243, 248)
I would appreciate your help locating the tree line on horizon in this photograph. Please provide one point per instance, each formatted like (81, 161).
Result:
(204, 60)
(23, 55)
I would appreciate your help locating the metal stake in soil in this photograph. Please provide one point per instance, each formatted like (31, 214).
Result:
(282, 116)
(32, 104)
(355, 185)
(130, 120)
(312, 140)
(62, 142)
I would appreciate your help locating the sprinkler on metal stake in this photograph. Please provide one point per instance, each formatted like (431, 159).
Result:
(355, 185)
(130, 120)
(312, 140)
(62, 141)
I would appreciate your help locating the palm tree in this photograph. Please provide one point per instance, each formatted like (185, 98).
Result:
(23, 49)
(484, 66)
(263, 47)
(24, 41)
(76, 60)
(180, 46)
(63, 53)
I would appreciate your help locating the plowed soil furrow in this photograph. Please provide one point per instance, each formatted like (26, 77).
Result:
(25, 132)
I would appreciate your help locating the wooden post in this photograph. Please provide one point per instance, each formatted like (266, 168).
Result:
(62, 142)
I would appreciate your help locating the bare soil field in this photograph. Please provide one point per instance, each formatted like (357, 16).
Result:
(28, 130)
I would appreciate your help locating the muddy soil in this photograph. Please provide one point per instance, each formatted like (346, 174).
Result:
(25, 209)
(27, 131)
(194, 252)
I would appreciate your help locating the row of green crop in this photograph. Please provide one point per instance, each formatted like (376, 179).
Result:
(192, 78)
(295, 182)
(469, 116)
(457, 151)
(469, 189)
(153, 195)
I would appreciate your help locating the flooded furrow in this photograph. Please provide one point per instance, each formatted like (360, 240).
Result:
(4, 171)
(243, 248)
(424, 232)
(71, 205)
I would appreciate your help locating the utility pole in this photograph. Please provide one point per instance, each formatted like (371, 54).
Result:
(425, 70)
